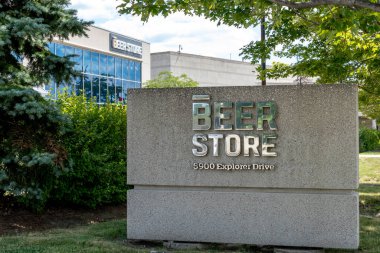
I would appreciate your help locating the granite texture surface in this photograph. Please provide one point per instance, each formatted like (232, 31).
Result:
(308, 200)
(317, 143)
(282, 219)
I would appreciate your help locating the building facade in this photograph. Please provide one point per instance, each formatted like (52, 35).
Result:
(109, 63)
(364, 121)
(210, 71)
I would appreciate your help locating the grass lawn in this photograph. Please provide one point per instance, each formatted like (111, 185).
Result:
(369, 236)
(105, 237)
(100, 237)
(369, 189)
(109, 237)
(369, 170)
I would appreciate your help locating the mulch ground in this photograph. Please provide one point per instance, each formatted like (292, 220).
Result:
(17, 221)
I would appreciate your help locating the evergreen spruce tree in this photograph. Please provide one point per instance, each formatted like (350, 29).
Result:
(26, 26)
(31, 128)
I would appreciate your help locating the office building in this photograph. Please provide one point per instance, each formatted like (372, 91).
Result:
(109, 63)
(210, 71)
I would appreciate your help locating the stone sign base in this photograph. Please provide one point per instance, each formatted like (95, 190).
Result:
(274, 165)
(314, 219)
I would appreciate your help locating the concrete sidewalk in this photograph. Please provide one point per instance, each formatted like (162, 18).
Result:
(368, 156)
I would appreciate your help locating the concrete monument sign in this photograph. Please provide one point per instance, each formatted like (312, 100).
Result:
(273, 165)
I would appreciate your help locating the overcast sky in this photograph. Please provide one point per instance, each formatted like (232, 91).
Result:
(196, 35)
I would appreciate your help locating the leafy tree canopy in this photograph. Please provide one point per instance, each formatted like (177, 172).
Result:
(26, 26)
(369, 105)
(334, 40)
(166, 79)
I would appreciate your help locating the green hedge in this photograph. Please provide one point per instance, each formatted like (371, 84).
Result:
(97, 147)
(70, 152)
(368, 139)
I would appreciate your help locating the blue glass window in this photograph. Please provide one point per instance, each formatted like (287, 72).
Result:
(125, 69)
(78, 59)
(119, 91)
(51, 47)
(60, 50)
(103, 90)
(130, 85)
(118, 69)
(78, 85)
(95, 63)
(104, 77)
(95, 88)
(138, 71)
(69, 50)
(125, 90)
(103, 65)
(87, 86)
(111, 66)
(86, 61)
(111, 90)
(131, 70)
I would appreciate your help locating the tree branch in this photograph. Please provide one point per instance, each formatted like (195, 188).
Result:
(299, 14)
(364, 4)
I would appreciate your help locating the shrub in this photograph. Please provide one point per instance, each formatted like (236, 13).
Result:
(368, 139)
(97, 146)
(166, 79)
(32, 156)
